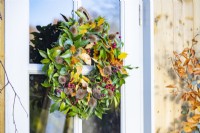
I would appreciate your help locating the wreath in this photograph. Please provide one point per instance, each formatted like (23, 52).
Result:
(84, 44)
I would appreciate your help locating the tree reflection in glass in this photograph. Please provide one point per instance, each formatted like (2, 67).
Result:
(41, 120)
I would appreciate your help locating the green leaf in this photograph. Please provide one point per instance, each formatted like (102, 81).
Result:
(49, 54)
(45, 61)
(80, 43)
(62, 106)
(68, 42)
(54, 107)
(77, 37)
(50, 71)
(67, 54)
(43, 54)
(66, 110)
(72, 114)
(63, 96)
(68, 60)
(116, 102)
(55, 98)
(98, 114)
(81, 15)
(63, 71)
(46, 84)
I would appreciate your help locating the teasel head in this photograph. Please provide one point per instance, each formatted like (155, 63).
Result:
(107, 70)
(80, 94)
(96, 93)
(110, 93)
(68, 91)
(80, 21)
(111, 37)
(92, 38)
(59, 60)
(73, 30)
(62, 79)
(92, 103)
(98, 29)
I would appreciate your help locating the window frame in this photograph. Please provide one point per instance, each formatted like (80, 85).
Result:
(132, 99)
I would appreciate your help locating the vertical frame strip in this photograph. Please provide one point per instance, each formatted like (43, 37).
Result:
(2, 94)
(77, 121)
(123, 102)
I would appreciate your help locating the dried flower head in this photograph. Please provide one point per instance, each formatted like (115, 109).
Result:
(110, 93)
(80, 21)
(59, 60)
(92, 38)
(73, 30)
(111, 36)
(62, 79)
(68, 91)
(96, 93)
(98, 28)
(107, 70)
(93, 102)
(80, 94)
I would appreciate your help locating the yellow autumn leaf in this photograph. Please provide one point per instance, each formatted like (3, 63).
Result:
(82, 31)
(72, 49)
(187, 129)
(86, 79)
(122, 56)
(93, 25)
(100, 22)
(86, 58)
(101, 71)
(88, 97)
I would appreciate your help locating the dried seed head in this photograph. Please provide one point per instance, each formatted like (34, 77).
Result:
(80, 94)
(92, 38)
(68, 91)
(93, 102)
(73, 30)
(59, 60)
(107, 70)
(62, 79)
(80, 21)
(96, 93)
(110, 93)
(111, 36)
(98, 29)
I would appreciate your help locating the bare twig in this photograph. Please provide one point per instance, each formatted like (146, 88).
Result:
(16, 96)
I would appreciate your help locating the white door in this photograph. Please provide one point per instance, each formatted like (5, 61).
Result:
(25, 72)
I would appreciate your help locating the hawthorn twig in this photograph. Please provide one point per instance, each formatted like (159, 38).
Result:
(16, 96)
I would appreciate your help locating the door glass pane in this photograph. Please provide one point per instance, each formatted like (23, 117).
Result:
(44, 12)
(41, 120)
(109, 9)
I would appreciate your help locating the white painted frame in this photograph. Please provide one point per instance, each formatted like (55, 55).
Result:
(18, 67)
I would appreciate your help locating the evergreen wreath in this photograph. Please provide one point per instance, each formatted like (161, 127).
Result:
(84, 43)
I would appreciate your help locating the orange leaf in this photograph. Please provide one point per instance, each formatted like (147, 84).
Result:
(196, 72)
(190, 69)
(186, 62)
(171, 86)
(73, 49)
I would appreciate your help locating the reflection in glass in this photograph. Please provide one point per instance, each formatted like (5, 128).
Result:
(110, 123)
(44, 12)
(41, 120)
(110, 10)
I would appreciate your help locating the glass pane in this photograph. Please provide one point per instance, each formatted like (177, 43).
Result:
(41, 120)
(110, 123)
(44, 12)
(109, 9)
